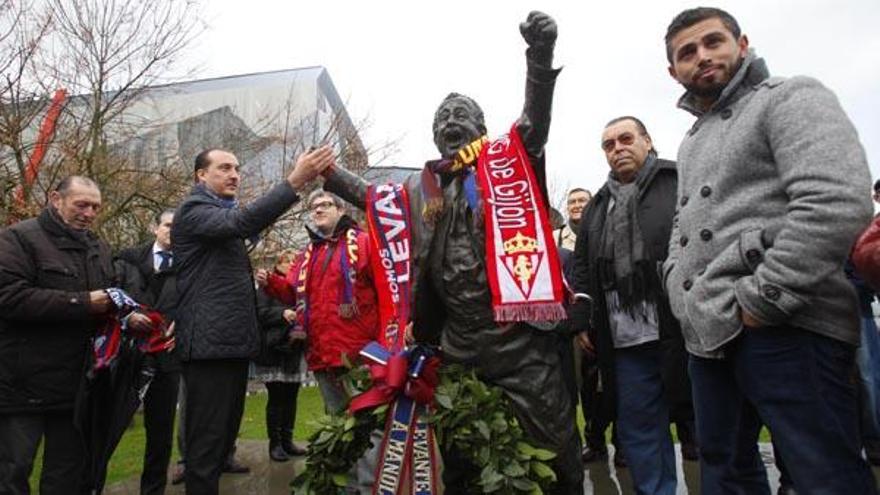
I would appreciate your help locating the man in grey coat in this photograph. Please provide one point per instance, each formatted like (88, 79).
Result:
(770, 199)
(216, 321)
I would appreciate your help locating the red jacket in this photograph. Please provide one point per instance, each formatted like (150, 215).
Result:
(329, 334)
(866, 254)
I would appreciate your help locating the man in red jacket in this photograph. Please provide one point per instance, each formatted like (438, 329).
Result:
(331, 285)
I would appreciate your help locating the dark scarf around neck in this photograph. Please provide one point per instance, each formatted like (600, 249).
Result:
(624, 264)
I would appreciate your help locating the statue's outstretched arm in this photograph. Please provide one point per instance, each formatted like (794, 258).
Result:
(346, 185)
(539, 31)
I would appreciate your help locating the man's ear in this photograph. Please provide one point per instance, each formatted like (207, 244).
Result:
(199, 175)
(55, 199)
(743, 44)
(672, 73)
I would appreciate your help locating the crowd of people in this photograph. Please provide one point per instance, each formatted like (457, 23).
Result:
(713, 293)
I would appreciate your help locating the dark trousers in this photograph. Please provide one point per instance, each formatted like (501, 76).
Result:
(801, 385)
(159, 408)
(215, 391)
(63, 453)
(597, 414)
(281, 410)
(643, 419)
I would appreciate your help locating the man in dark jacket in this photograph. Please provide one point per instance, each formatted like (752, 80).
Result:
(147, 273)
(623, 238)
(216, 319)
(53, 272)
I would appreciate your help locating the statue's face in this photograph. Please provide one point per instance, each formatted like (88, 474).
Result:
(456, 123)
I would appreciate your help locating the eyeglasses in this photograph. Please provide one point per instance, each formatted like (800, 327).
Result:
(625, 139)
(323, 205)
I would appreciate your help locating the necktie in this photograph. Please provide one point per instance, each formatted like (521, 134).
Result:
(165, 264)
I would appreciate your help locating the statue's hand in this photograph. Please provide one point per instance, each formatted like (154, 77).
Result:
(539, 29)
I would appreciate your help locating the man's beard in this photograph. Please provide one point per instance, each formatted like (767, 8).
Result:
(706, 92)
(713, 91)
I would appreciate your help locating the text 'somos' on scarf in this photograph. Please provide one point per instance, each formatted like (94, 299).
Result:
(404, 378)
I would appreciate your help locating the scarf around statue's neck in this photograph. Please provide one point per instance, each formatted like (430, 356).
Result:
(522, 262)
(462, 163)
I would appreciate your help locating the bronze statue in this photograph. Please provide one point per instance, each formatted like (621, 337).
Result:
(451, 295)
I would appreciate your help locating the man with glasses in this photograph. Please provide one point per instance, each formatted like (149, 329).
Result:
(331, 285)
(623, 239)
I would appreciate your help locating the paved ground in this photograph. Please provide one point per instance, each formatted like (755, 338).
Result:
(272, 478)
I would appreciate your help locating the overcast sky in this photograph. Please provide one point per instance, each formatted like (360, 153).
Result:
(393, 62)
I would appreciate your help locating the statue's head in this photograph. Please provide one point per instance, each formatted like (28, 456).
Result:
(457, 122)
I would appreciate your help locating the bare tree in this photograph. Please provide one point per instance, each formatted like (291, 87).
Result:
(23, 29)
(107, 53)
(296, 131)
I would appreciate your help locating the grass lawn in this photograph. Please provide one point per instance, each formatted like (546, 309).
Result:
(128, 458)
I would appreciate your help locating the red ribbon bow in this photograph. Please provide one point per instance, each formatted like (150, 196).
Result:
(392, 378)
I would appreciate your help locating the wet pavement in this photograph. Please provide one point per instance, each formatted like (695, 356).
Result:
(273, 478)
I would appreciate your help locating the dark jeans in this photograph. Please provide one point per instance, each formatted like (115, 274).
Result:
(63, 453)
(215, 391)
(643, 419)
(159, 408)
(800, 384)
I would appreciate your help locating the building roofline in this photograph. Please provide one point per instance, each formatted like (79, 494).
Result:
(235, 76)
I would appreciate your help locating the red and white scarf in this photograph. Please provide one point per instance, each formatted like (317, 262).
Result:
(522, 263)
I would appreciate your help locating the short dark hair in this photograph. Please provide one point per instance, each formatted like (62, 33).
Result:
(202, 159)
(877, 186)
(157, 218)
(66, 183)
(579, 189)
(689, 17)
(639, 124)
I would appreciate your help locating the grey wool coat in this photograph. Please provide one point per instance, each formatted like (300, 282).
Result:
(773, 190)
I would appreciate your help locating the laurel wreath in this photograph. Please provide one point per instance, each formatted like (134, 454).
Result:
(473, 417)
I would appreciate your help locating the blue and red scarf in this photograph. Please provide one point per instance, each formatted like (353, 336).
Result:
(107, 340)
(403, 377)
